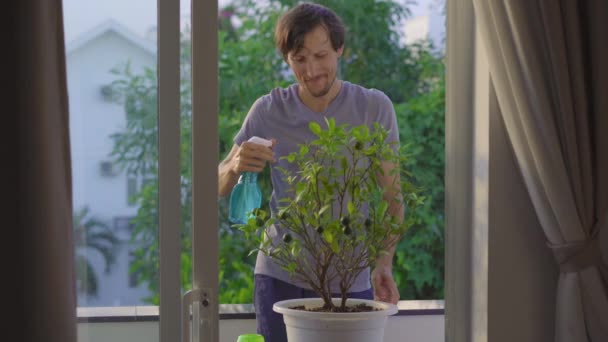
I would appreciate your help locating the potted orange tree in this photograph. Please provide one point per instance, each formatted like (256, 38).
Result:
(334, 225)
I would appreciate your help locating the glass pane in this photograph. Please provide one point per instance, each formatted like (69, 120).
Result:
(249, 67)
(418, 266)
(394, 46)
(186, 143)
(111, 69)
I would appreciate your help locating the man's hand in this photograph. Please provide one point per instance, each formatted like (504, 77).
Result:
(248, 157)
(251, 157)
(385, 288)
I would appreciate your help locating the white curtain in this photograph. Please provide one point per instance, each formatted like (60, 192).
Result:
(35, 116)
(548, 64)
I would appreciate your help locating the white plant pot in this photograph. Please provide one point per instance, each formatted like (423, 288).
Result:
(307, 326)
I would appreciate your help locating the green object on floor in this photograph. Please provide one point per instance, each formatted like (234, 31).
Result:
(250, 338)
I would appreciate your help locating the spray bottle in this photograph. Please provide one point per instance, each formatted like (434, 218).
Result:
(246, 195)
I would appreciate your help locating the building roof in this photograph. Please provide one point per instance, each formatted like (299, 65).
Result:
(111, 25)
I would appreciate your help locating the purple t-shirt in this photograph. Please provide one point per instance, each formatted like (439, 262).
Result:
(281, 115)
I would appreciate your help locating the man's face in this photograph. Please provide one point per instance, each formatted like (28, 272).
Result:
(315, 64)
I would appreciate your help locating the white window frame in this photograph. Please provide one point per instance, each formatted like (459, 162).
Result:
(169, 202)
(466, 177)
(202, 301)
(205, 156)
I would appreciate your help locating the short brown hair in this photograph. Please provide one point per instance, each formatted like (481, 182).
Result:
(294, 24)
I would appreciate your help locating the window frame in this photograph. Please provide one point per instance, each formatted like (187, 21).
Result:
(204, 297)
(169, 173)
(468, 105)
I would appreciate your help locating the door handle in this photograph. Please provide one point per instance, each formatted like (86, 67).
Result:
(198, 316)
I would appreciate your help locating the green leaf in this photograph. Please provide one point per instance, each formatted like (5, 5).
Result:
(324, 209)
(335, 247)
(290, 268)
(351, 208)
(331, 124)
(315, 128)
(382, 207)
(328, 236)
(296, 248)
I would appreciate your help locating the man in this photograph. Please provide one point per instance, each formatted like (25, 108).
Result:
(311, 39)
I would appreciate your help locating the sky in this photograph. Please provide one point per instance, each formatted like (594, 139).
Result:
(140, 15)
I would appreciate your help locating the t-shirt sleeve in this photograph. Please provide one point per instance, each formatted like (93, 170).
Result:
(388, 119)
(252, 125)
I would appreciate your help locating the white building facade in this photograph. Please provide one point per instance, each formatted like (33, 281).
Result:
(97, 183)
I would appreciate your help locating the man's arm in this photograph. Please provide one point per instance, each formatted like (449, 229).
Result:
(385, 288)
(248, 157)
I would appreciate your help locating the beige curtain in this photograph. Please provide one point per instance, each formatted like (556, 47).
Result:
(547, 63)
(40, 158)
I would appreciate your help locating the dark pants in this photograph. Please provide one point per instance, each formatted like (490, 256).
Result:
(268, 290)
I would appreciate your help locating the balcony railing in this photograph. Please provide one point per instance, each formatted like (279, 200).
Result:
(415, 321)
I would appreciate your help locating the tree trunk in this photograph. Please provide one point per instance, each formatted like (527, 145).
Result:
(328, 303)
(343, 303)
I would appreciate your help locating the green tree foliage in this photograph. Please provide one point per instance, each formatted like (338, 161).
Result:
(419, 263)
(91, 235)
(250, 67)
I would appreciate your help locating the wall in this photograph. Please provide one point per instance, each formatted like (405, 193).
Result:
(399, 329)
